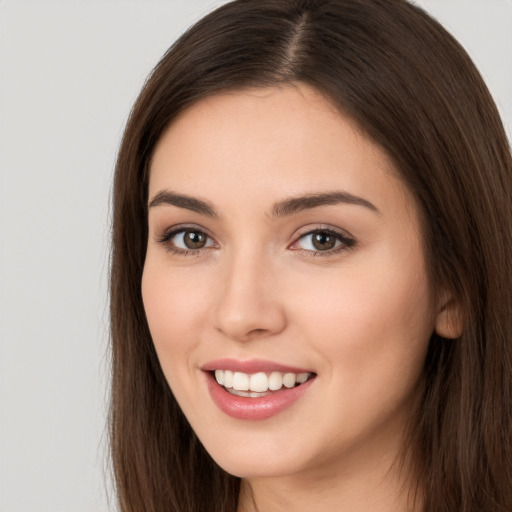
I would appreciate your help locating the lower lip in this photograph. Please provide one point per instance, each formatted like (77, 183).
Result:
(261, 408)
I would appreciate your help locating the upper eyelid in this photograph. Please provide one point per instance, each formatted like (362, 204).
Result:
(177, 228)
(308, 230)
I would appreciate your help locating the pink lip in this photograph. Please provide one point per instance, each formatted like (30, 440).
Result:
(246, 408)
(251, 366)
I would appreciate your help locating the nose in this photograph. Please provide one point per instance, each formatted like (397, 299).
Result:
(249, 304)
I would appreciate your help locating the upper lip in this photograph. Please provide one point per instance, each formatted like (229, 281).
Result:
(251, 366)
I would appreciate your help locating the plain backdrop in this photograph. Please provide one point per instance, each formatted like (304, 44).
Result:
(69, 73)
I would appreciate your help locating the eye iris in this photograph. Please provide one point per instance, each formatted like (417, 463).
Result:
(194, 239)
(323, 241)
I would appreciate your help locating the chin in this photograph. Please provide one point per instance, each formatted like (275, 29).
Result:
(259, 457)
(255, 467)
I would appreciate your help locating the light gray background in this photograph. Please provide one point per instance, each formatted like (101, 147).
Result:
(69, 73)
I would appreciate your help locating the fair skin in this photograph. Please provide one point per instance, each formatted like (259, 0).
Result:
(228, 275)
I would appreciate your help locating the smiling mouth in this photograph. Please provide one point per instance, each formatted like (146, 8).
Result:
(260, 384)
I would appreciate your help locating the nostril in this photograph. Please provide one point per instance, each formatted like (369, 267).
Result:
(257, 332)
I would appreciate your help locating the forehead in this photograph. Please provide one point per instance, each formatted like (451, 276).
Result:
(272, 142)
(289, 113)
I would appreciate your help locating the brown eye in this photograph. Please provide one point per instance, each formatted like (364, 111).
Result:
(194, 239)
(187, 240)
(323, 241)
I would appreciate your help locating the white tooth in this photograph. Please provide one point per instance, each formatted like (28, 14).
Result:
(289, 380)
(238, 393)
(248, 394)
(228, 379)
(219, 376)
(241, 381)
(275, 381)
(302, 377)
(258, 382)
(255, 394)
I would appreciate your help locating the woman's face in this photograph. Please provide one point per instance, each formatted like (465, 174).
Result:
(285, 256)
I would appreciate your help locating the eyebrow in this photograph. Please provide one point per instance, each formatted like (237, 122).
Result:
(280, 209)
(298, 204)
(183, 201)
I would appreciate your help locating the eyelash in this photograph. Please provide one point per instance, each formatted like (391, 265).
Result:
(346, 242)
(166, 240)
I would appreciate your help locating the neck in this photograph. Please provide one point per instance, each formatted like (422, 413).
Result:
(387, 494)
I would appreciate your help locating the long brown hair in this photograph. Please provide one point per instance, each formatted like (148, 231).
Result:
(413, 90)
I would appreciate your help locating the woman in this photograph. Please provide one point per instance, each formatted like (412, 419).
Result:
(311, 279)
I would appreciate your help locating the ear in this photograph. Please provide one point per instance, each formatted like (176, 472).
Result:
(449, 318)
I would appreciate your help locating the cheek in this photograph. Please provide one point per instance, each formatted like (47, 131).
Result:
(175, 310)
(372, 321)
